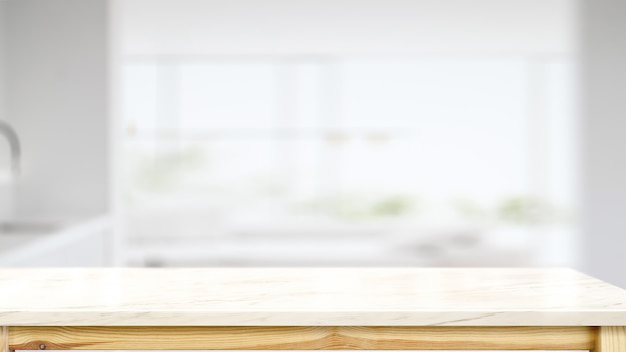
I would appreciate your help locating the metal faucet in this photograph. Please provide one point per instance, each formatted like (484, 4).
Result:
(14, 143)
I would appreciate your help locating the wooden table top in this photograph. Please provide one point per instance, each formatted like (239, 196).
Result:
(307, 297)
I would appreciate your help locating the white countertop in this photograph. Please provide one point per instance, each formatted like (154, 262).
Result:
(307, 297)
(31, 243)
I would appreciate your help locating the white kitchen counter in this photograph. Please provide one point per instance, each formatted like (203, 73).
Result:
(67, 243)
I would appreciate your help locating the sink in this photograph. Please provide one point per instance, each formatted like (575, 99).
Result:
(28, 227)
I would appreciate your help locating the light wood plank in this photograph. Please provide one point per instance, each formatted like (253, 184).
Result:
(302, 338)
(4, 339)
(611, 339)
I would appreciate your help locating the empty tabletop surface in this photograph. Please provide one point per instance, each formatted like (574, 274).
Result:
(307, 297)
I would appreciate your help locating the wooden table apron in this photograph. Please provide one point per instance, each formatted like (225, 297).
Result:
(604, 339)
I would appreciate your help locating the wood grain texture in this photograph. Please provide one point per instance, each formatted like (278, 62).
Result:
(4, 339)
(611, 339)
(302, 338)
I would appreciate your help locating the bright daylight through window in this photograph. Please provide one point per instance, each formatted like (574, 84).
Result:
(456, 144)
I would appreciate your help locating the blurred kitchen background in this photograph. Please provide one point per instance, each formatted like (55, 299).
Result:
(313, 133)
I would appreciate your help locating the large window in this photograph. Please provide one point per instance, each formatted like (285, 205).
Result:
(245, 141)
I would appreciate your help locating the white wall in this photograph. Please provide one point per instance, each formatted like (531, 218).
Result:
(3, 18)
(604, 138)
(6, 190)
(343, 27)
(57, 100)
